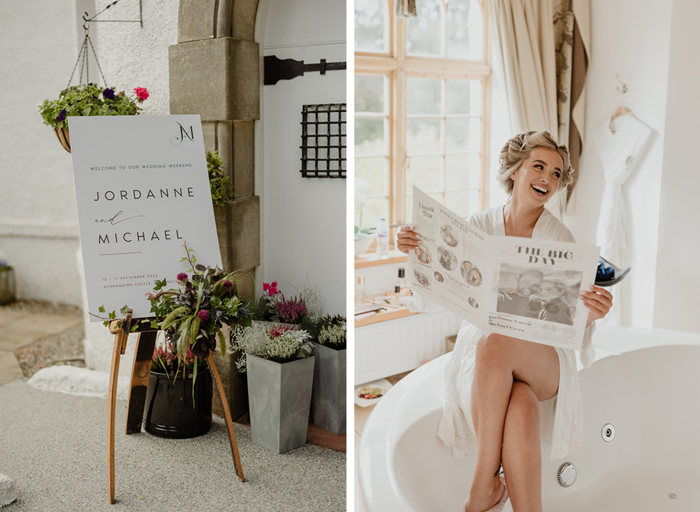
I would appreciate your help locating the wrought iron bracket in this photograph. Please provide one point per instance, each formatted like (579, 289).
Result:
(287, 69)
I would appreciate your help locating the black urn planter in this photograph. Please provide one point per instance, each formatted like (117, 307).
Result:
(170, 411)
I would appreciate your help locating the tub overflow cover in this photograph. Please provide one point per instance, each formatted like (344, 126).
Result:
(566, 475)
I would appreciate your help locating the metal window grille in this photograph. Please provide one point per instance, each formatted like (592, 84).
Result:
(323, 141)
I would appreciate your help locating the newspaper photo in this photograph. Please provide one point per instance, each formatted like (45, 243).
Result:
(520, 287)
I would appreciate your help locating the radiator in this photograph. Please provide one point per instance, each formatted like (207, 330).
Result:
(397, 346)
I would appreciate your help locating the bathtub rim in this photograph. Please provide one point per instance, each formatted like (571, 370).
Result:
(378, 441)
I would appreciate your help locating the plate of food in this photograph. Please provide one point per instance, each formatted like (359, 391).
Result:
(371, 392)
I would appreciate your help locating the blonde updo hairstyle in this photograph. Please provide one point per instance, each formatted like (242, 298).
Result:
(518, 149)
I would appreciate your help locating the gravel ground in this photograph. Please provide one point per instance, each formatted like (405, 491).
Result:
(62, 348)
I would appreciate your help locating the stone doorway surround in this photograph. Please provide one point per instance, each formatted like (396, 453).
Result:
(215, 72)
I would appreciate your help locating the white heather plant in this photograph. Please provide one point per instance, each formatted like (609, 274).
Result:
(333, 336)
(312, 297)
(278, 344)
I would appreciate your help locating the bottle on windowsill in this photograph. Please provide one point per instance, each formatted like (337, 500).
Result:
(383, 239)
(404, 291)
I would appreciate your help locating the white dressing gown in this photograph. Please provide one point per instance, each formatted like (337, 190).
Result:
(619, 151)
(560, 417)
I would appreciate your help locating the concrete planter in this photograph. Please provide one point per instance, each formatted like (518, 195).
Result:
(280, 399)
(7, 286)
(328, 400)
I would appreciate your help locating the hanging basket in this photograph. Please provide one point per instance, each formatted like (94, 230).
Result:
(63, 137)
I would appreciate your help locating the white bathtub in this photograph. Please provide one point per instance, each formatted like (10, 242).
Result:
(645, 382)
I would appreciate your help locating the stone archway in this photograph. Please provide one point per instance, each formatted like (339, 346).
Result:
(215, 72)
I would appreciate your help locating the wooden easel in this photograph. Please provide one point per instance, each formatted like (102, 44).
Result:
(139, 384)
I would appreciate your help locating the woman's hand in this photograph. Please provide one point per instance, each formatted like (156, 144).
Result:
(599, 301)
(407, 239)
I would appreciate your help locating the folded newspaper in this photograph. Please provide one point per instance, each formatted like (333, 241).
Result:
(520, 287)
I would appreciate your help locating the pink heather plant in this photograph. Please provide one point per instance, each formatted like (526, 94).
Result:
(291, 311)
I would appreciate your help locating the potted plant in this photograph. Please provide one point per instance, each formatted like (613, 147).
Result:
(280, 369)
(275, 310)
(177, 405)
(88, 100)
(193, 317)
(328, 400)
(7, 283)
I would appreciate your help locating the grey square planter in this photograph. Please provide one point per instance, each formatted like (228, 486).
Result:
(280, 399)
(329, 395)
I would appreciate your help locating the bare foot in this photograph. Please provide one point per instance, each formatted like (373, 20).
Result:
(483, 498)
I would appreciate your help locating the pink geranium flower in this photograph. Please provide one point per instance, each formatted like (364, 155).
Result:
(141, 93)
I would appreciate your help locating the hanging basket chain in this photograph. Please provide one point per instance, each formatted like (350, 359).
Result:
(82, 48)
(97, 61)
(83, 58)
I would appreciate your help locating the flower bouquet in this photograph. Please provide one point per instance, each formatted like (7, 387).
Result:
(196, 313)
(88, 100)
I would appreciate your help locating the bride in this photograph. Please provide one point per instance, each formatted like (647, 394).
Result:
(503, 393)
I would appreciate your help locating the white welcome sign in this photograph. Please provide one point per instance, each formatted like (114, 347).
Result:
(142, 191)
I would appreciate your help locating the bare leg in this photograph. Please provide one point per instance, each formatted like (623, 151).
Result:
(522, 459)
(500, 360)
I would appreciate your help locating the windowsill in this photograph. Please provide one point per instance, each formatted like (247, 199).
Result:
(370, 259)
(384, 316)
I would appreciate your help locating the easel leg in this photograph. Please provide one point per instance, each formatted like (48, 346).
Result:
(229, 421)
(141, 372)
(111, 411)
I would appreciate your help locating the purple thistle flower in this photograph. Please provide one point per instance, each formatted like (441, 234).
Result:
(61, 116)
(182, 276)
(228, 285)
(108, 93)
(203, 315)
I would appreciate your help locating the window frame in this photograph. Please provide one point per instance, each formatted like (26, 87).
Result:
(399, 66)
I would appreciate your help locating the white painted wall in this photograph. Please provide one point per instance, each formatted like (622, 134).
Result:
(132, 56)
(630, 38)
(678, 259)
(303, 219)
(39, 44)
(38, 221)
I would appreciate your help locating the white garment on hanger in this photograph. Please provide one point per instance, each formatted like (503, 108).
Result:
(619, 153)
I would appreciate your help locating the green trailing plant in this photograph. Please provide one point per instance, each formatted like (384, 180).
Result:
(221, 186)
(90, 100)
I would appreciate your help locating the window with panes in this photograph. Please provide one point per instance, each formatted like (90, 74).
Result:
(421, 105)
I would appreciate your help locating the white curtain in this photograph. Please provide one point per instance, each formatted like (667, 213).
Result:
(523, 45)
